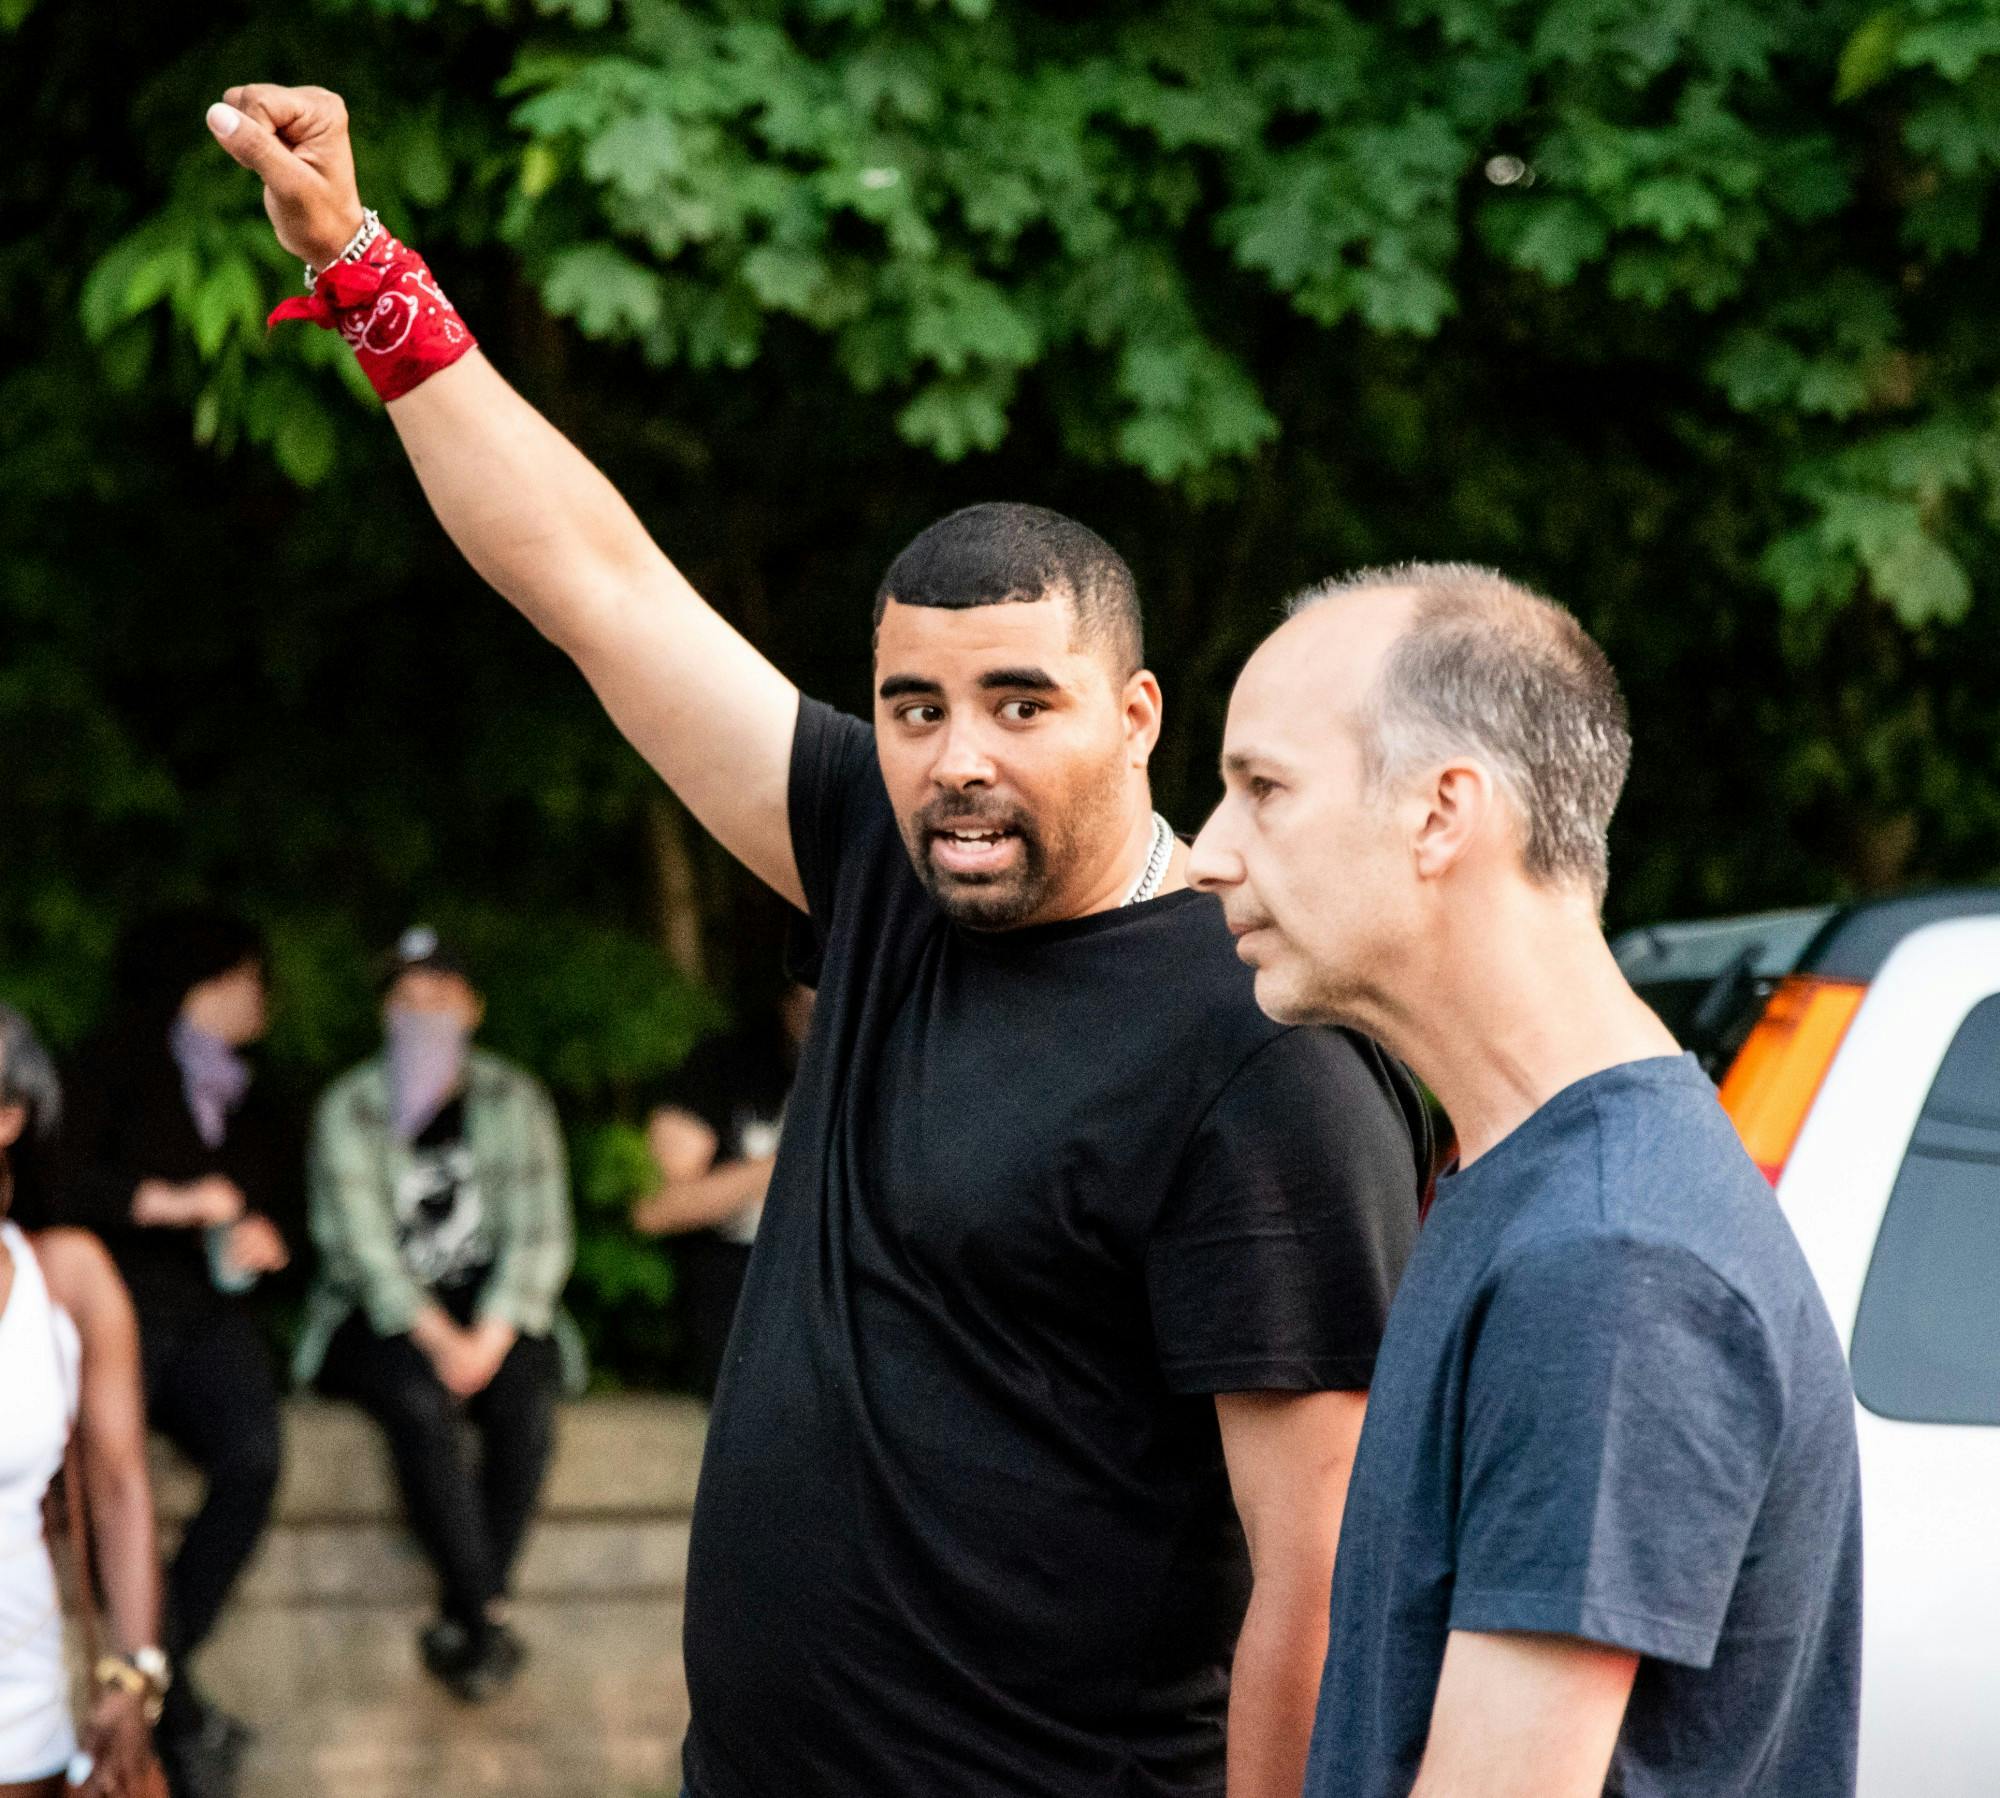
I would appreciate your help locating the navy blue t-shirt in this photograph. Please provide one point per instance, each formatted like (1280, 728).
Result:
(1610, 1404)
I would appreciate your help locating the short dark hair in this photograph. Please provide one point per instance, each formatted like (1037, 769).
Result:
(1487, 665)
(163, 957)
(1000, 553)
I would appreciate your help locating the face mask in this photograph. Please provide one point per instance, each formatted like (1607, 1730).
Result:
(213, 1076)
(426, 1065)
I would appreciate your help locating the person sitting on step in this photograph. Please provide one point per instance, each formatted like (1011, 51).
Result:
(438, 1193)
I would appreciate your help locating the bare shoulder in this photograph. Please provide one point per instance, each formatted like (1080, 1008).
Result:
(79, 1270)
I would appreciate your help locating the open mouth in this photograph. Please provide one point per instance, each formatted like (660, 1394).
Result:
(974, 849)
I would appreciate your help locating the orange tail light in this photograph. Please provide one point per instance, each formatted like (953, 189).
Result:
(1776, 1076)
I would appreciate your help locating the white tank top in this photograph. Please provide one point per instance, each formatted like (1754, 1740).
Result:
(40, 1360)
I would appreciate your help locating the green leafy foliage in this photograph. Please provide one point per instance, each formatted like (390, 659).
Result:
(1674, 306)
(629, 1279)
(964, 199)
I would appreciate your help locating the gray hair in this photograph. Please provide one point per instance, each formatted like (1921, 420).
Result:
(28, 1075)
(1491, 669)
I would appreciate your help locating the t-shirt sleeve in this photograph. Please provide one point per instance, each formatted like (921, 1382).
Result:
(834, 776)
(1286, 1231)
(1622, 1413)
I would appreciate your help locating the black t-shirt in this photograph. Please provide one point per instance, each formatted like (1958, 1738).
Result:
(441, 1225)
(737, 1085)
(964, 1524)
(126, 1119)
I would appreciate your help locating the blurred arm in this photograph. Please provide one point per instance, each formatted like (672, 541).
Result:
(707, 1200)
(111, 1422)
(213, 1199)
(1289, 1455)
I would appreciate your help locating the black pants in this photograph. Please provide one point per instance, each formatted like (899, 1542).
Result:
(470, 1522)
(210, 1390)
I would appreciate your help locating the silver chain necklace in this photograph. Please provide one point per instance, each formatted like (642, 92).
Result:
(1157, 863)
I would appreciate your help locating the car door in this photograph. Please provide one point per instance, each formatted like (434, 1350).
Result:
(1894, 1191)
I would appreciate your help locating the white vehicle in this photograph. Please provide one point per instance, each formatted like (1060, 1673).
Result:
(1858, 1050)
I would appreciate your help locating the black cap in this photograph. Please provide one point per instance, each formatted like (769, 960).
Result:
(419, 947)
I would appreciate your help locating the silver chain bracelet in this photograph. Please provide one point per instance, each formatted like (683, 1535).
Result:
(357, 246)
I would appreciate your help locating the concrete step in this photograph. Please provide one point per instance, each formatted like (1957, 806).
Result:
(635, 1454)
(318, 1650)
(378, 1562)
(344, 1710)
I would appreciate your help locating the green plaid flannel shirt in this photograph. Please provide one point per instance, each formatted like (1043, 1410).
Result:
(352, 1170)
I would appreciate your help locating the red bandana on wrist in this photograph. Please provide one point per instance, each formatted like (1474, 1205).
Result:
(394, 317)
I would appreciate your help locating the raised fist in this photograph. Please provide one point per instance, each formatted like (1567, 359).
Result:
(295, 138)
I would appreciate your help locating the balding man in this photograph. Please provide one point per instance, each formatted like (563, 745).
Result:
(1603, 1530)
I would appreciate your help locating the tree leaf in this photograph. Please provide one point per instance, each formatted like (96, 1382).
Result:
(953, 417)
(604, 290)
(303, 445)
(1923, 580)
(1870, 54)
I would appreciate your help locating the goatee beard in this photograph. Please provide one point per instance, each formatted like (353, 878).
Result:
(985, 909)
(999, 901)
(990, 902)
(1052, 845)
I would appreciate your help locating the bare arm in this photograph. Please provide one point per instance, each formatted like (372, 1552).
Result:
(698, 1204)
(1524, 1716)
(1289, 1456)
(162, 1204)
(111, 1422)
(540, 523)
(111, 1434)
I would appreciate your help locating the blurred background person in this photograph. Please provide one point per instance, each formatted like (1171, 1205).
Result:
(176, 1156)
(439, 1195)
(716, 1145)
(32, 1156)
(69, 1366)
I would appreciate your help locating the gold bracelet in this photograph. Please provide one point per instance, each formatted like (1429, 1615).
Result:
(112, 1671)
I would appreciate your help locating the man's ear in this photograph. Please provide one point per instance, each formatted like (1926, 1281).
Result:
(13, 1120)
(1457, 808)
(1144, 708)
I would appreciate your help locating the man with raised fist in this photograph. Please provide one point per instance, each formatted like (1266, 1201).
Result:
(1071, 1259)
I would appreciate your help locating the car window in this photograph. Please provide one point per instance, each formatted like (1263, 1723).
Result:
(1927, 1336)
(1709, 979)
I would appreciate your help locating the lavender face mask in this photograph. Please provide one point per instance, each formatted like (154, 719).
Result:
(427, 1053)
(213, 1076)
